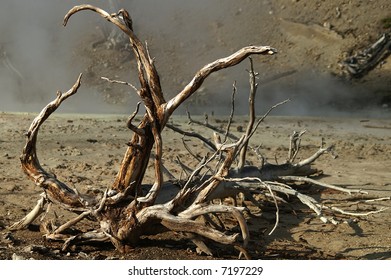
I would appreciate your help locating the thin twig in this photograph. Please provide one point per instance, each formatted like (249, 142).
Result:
(232, 111)
(355, 214)
(121, 82)
(192, 134)
(251, 103)
(132, 127)
(212, 127)
(317, 183)
(197, 157)
(294, 145)
(265, 185)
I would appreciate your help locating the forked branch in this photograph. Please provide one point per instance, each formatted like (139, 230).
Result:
(217, 65)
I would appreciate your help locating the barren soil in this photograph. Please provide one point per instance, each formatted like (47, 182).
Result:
(312, 37)
(85, 150)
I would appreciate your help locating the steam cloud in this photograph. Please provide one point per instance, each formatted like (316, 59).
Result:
(37, 51)
(37, 55)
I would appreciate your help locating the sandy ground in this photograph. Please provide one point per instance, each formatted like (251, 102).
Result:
(85, 151)
(312, 37)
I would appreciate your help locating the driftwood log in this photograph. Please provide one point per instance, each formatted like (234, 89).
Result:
(128, 209)
(359, 64)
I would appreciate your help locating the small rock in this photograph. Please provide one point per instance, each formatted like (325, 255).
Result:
(83, 255)
(28, 249)
(9, 238)
(112, 258)
(16, 257)
(92, 140)
(327, 25)
(35, 248)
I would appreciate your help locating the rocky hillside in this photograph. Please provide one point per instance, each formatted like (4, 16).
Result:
(313, 38)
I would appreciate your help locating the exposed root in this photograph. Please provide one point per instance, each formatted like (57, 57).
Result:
(30, 217)
(321, 184)
(130, 209)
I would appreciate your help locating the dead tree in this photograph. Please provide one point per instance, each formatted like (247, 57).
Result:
(129, 210)
(125, 213)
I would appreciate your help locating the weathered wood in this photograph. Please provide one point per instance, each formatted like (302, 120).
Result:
(56, 190)
(128, 210)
